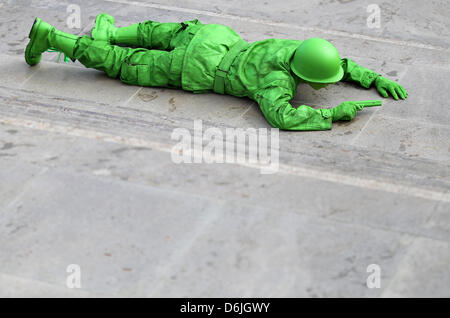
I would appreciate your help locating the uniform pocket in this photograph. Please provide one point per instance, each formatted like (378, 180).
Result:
(176, 66)
(135, 74)
(143, 74)
(129, 73)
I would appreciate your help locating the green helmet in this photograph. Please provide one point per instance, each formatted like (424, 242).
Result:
(317, 60)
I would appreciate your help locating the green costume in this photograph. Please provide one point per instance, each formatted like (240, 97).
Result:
(211, 57)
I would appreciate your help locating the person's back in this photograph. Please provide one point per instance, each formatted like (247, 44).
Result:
(263, 64)
(204, 52)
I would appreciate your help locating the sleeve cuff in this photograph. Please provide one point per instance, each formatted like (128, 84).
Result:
(327, 118)
(357, 73)
(326, 113)
(368, 78)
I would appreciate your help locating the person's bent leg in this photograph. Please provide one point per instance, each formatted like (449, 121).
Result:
(149, 34)
(135, 66)
(153, 68)
(101, 55)
(157, 35)
(92, 54)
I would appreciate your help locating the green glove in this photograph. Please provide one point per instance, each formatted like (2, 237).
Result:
(345, 111)
(385, 85)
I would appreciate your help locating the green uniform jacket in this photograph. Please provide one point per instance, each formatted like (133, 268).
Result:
(260, 72)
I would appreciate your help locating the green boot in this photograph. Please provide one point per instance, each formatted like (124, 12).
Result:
(104, 30)
(43, 36)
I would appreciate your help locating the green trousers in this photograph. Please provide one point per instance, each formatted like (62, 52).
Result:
(157, 62)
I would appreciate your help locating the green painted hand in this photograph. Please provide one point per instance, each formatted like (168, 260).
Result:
(345, 111)
(385, 85)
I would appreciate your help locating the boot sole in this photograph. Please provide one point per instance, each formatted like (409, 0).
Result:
(32, 36)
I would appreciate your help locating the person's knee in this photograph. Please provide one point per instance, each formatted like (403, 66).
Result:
(82, 44)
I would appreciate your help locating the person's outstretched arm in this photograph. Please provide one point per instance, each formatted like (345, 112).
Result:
(366, 78)
(275, 106)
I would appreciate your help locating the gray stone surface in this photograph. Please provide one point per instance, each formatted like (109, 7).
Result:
(13, 286)
(64, 213)
(430, 101)
(283, 254)
(413, 138)
(438, 223)
(205, 107)
(87, 177)
(74, 81)
(14, 72)
(423, 271)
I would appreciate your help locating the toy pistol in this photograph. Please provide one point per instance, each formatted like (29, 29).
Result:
(369, 103)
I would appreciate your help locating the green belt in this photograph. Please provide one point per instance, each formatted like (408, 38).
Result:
(224, 66)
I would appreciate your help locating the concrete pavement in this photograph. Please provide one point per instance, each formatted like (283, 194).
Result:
(87, 177)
